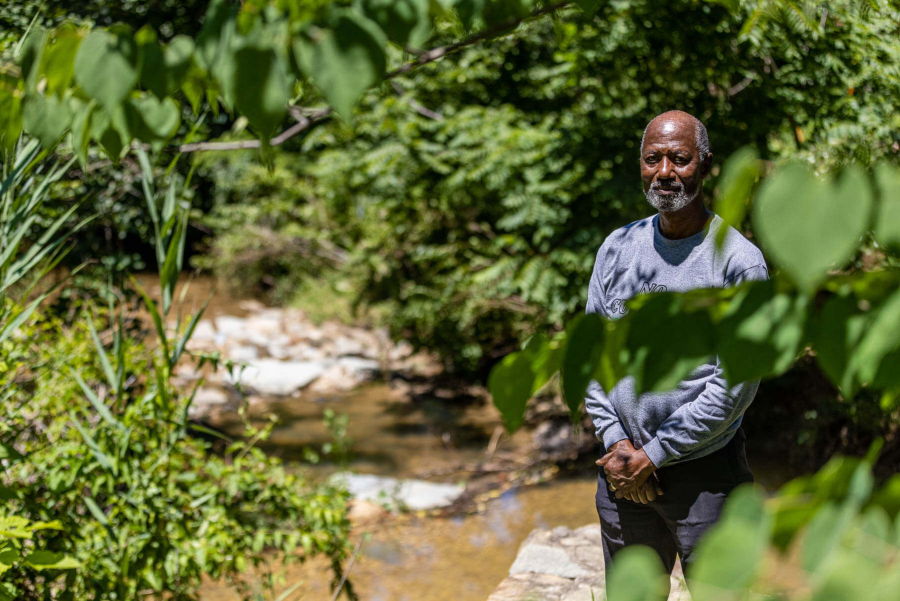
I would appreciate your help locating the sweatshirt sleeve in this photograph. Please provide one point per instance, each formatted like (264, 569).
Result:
(606, 421)
(712, 412)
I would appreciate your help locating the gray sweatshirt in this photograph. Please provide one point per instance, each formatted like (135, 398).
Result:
(703, 413)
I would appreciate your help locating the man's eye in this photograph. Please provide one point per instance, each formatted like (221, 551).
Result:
(651, 160)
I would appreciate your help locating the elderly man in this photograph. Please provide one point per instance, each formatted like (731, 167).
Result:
(671, 457)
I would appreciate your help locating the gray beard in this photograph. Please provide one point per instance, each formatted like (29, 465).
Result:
(674, 202)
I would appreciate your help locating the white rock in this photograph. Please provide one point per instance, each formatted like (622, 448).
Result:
(204, 330)
(243, 353)
(544, 559)
(413, 494)
(210, 396)
(270, 376)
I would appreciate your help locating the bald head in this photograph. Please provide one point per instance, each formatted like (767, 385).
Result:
(675, 159)
(680, 119)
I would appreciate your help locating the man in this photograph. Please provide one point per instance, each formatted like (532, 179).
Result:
(671, 457)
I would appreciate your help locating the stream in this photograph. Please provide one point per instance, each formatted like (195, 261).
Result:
(394, 432)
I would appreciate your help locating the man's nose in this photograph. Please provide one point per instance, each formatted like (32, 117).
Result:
(666, 169)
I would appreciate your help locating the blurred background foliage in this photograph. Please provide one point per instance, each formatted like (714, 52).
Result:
(461, 204)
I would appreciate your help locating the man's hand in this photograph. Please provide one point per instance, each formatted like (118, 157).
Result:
(645, 493)
(626, 468)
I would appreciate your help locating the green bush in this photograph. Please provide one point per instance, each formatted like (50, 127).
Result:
(144, 503)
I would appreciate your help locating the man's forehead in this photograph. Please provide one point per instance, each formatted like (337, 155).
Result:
(663, 130)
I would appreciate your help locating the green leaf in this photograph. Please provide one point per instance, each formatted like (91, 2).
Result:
(153, 70)
(46, 118)
(471, 12)
(10, 115)
(215, 35)
(345, 60)
(887, 223)
(732, 5)
(655, 362)
(152, 120)
(811, 225)
(48, 560)
(107, 66)
(588, 6)
(14, 527)
(637, 575)
(102, 458)
(261, 88)
(760, 332)
(519, 375)
(58, 58)
(405, 22)
(729, 556)
(733, 199)
(879, 340)
(581, 357)
(102, 410)
(177, 60)
(836, 333)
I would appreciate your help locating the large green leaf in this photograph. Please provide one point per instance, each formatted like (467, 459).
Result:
(810, 225)
(58, 58)
(262, 87)
(344, 60)
(738, 178)
(760, 332)
(519, 375)
(405, 22)
(836, 332)
(637, 575)
(880, 339)
(665, 342)
(887, 224)
(46, 118)
(107, 65)
(152, 120)
(581, 356)
(729, 556)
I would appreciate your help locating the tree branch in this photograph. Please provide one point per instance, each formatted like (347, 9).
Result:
(305, 117)
(441, 51)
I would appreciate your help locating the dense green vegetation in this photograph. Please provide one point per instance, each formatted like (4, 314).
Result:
(467, 197)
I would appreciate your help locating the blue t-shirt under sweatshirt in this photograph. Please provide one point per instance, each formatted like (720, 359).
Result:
(703, 413)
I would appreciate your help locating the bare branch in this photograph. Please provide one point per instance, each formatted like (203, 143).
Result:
(303, 122)
(424, 111)
(441, 51)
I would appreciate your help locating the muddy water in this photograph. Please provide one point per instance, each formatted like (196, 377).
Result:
(446, 559)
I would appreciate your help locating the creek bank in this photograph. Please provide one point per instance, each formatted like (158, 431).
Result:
(565, 565)
(279, 352)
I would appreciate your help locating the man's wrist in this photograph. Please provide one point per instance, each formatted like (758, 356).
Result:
(655, 452)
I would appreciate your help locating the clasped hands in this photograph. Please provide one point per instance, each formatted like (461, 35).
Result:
(628, 471)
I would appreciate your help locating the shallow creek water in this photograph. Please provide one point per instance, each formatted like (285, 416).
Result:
(413, 557)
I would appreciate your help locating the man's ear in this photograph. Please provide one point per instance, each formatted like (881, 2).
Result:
(706, 166)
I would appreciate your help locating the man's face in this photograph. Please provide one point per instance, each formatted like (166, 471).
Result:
(671, 169)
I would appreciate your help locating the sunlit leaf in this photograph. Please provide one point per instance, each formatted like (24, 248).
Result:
(811, 225)
(761, 331)
(637, 575)
(887, 223)
(739, 175)
(107, 66)
(519, 375)
(46, 118)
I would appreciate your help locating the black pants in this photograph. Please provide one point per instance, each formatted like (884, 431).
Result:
(693, 495)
